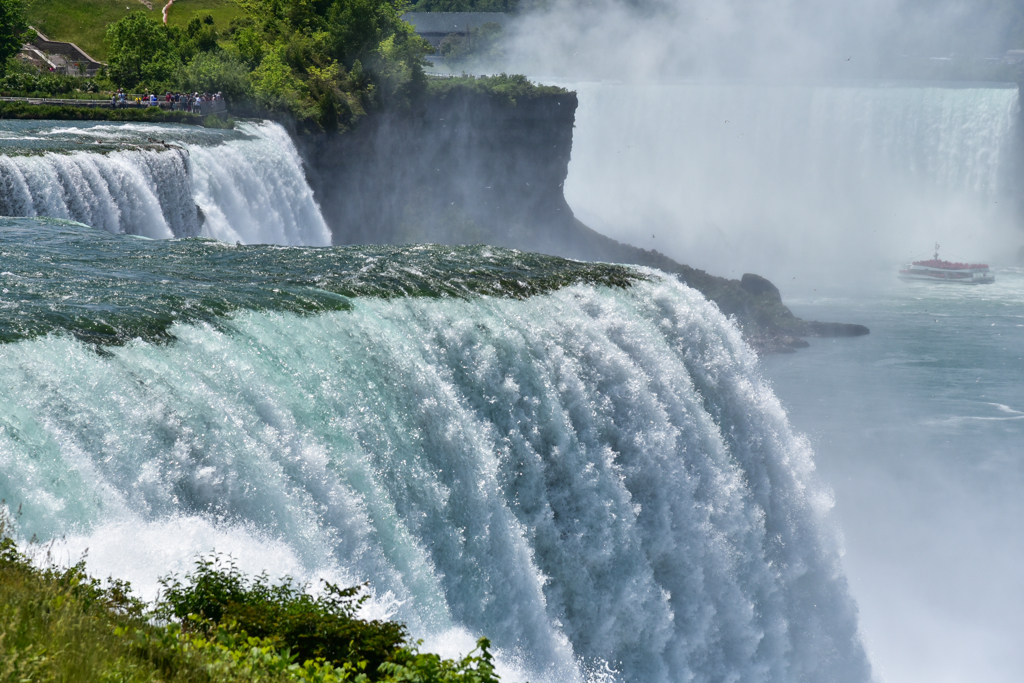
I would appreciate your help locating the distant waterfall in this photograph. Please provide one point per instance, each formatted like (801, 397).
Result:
(828, 184)
(250, 190)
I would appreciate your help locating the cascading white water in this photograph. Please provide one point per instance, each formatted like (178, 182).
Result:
(827, 184)
(592, 475)
(249, 189)
(255, 191)
(137, 192)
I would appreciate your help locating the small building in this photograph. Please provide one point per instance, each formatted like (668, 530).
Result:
(436, 26)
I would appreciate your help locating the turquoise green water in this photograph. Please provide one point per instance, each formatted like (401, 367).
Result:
(579, 461)
(60, 276)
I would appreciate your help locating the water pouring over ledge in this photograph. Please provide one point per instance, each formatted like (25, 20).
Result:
(590, 471)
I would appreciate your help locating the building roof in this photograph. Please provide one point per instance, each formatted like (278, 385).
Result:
(452, 22)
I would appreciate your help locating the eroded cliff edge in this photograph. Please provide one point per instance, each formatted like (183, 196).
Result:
(467, 166)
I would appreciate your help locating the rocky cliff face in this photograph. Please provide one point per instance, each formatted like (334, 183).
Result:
(470, 167)
(464, 167)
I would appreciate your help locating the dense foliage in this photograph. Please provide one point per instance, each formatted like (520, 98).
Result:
(323, 62)
(506, 88)
(465, 6)
(24, 80)
(61, 625)
(61, 112)
(324, 627)
(12, 29)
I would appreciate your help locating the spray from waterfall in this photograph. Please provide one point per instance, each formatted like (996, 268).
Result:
(814, 187)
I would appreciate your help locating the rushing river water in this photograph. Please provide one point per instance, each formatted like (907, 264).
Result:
(580, 461)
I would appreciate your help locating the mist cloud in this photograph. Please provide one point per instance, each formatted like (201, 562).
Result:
(777, 39)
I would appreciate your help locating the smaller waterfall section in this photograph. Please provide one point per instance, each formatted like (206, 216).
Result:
(161, 181)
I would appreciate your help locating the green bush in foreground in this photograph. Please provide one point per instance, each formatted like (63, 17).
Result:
(324, 627)
(216, 626)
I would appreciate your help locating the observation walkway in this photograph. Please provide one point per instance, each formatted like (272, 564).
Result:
(205, 108)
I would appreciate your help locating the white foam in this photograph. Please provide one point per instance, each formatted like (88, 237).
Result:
(595, 479)
(250, 190)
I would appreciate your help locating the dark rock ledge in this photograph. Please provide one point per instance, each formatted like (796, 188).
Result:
(468, 168)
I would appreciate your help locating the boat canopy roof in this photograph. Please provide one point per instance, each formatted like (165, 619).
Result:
(947, 265)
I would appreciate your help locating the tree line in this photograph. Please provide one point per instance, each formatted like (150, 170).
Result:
(322, 62)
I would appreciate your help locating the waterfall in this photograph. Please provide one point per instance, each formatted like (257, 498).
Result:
(596, 477)
(168, 182)
(136, 192)
(829, 184)
(255, 191)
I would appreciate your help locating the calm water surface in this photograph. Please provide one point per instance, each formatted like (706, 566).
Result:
(919, 428)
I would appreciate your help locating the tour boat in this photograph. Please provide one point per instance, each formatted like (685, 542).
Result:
(935, 270)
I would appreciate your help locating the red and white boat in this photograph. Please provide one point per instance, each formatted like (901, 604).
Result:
(935, 270)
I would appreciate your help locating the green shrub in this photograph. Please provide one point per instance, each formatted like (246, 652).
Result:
(505, 87)
(324, 627)
(218, 627)
(214, 121)
(27, 81)
(55, 112)
(214, 72)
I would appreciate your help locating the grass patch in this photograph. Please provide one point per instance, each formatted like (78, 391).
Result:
(222, 11)
(84, 22)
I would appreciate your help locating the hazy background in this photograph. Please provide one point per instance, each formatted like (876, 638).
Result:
(787, 39)
(816, 187)
(820, 144)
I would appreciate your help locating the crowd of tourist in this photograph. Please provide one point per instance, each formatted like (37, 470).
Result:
(195, 102)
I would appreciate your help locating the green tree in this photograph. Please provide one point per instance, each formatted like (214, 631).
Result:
(12, 30)
(328, 61)
(142, 52)
(215, 72)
